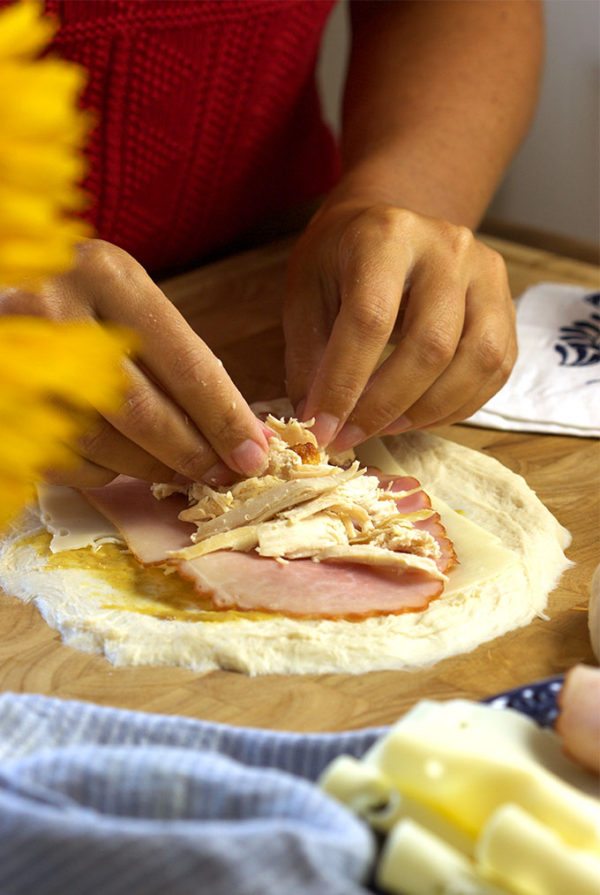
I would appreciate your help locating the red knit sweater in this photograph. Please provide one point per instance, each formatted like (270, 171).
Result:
(209, 118)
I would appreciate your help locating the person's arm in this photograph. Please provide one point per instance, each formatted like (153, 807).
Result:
(438, 96)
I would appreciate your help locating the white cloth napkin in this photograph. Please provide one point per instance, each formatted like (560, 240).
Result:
(555, 385)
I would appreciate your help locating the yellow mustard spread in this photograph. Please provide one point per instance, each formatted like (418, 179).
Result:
(136, 588)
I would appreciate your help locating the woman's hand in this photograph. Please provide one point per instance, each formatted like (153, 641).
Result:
(360, 273)
(183, 415)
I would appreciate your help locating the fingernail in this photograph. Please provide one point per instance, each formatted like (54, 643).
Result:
(399, 425)
(249, 458)
(348, 437)
(325, 427)
(300, 409)
(268, 433)
(219, 474)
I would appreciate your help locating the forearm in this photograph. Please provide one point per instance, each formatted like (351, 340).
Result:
(438, 97)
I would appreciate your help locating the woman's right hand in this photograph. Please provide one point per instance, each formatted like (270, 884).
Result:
(182, 416)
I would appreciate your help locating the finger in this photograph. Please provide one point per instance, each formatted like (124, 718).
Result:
(372, 277)
(105, 446)
(150, 420)
(483, 362)
(433, 322)
(309, 311)
(481, 397)
(183, 365)
(82, 475)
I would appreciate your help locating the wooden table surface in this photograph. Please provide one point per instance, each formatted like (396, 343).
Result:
(235, 305)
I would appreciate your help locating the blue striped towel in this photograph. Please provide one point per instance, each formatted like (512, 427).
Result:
(103, 801)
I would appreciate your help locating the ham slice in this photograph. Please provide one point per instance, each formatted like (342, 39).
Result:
(306, 589)
(579, 720)
(150, 527)
(301, 588)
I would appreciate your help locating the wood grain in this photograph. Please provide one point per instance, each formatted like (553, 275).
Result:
(235, 305)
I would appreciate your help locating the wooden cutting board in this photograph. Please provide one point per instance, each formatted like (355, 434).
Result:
(235, 306)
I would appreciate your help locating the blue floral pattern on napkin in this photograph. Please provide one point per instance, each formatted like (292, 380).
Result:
(579, 344)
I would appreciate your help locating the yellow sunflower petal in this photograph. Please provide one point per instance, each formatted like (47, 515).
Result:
(38, 100)
(45, 368)
(23, 166)
(24, 31)
(42, 133)
(15, 494)
(80, 362)
(53, 376)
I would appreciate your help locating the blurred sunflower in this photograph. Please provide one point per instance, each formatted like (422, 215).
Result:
(52, 375)
(41, 138)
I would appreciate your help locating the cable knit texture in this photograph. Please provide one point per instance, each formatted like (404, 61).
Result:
(209, 119)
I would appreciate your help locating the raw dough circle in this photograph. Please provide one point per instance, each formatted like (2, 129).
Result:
(487, 493)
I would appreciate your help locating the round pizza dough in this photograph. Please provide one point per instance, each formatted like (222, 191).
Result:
(482, 490)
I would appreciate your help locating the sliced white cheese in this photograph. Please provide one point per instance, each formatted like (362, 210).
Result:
(518, 851)
(481, 555)
(72, 521)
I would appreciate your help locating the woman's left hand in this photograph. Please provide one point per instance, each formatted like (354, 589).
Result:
(362, 272)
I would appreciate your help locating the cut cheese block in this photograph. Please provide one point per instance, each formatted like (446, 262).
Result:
(520, 852)
(475, 801)
(415, 861)
(465, 760)
(366, 791)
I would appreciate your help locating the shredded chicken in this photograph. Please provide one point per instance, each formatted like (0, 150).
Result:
(242, 539)
(268, 502)
(307, 505)
(292, 432)
(380, 556)
(161, 490)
